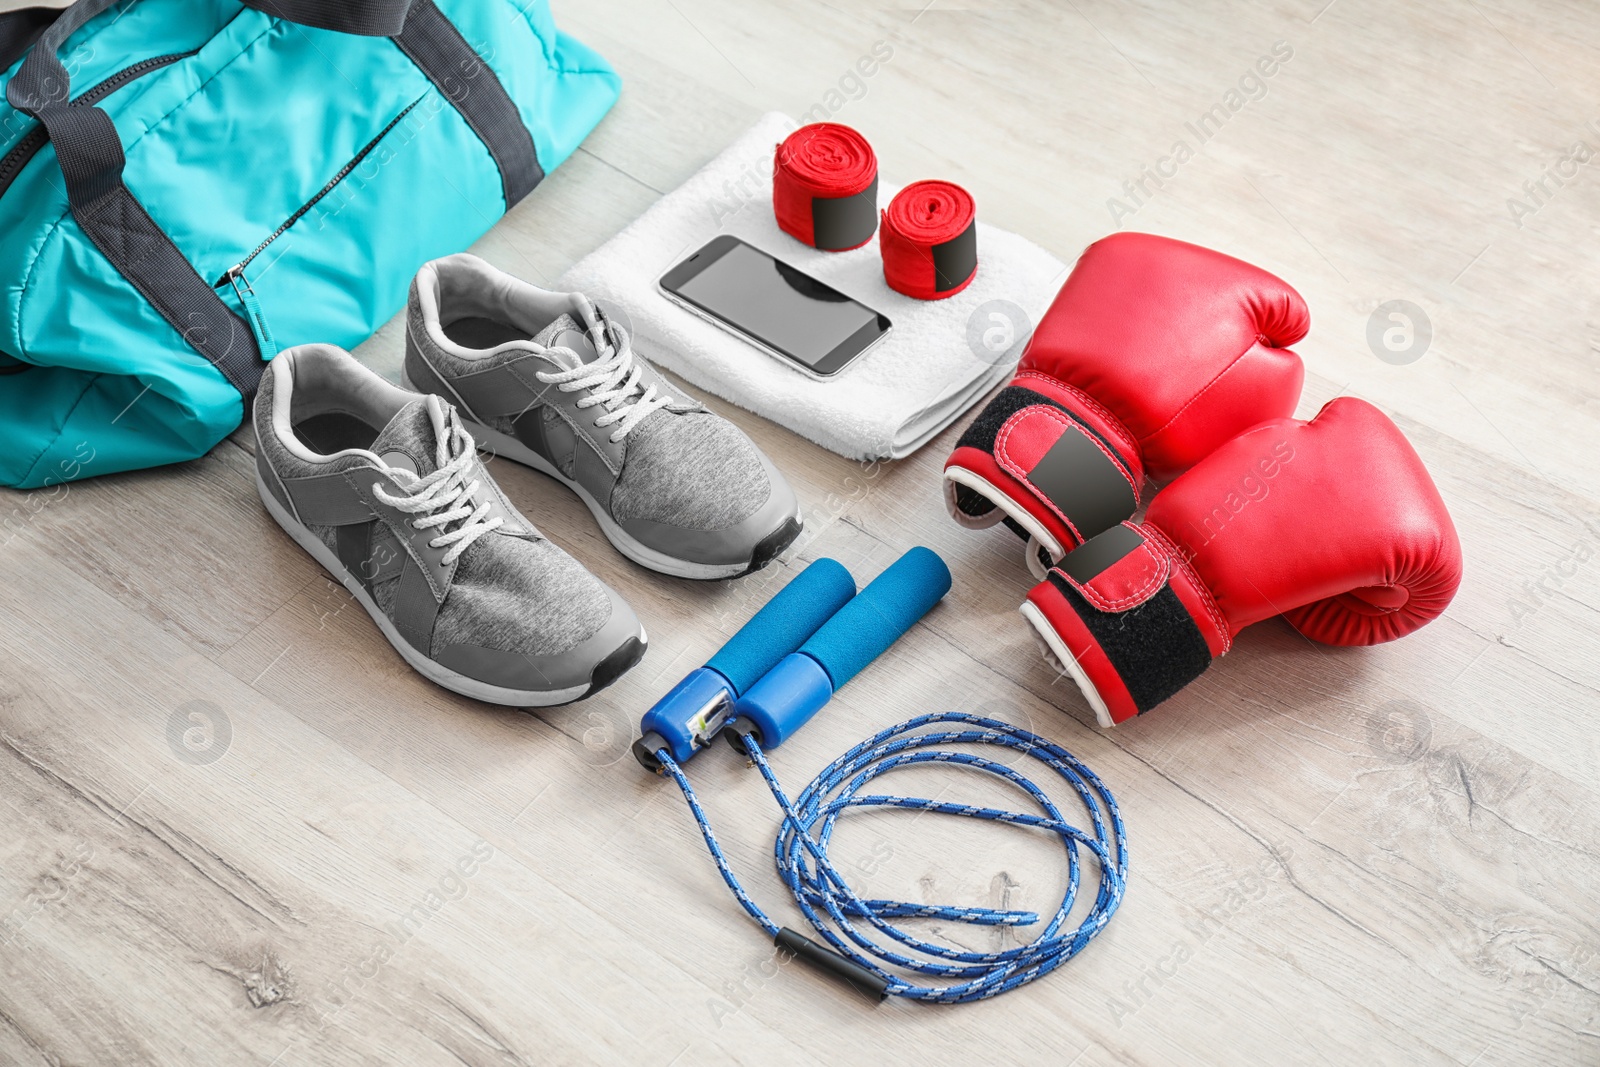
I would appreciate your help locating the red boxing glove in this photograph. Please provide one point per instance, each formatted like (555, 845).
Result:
(825, 187)
(1333, 523)
(1153, 354)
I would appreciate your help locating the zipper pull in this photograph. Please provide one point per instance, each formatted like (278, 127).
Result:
(252, 310)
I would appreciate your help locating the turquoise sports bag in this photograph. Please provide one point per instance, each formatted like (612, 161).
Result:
(188, 185)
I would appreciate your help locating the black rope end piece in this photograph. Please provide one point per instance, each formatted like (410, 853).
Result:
(829, 962)
(645, 749)
(736, 731)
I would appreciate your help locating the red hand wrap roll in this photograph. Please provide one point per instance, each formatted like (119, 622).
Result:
(825, 187)
(930, 240)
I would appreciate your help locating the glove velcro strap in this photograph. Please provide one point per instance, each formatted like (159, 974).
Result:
(1071, 482)
(1120, 587)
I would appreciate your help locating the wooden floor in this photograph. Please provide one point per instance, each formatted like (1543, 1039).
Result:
(238, 830)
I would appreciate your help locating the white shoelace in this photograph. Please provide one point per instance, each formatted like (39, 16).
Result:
(444, 496)
(614, 380)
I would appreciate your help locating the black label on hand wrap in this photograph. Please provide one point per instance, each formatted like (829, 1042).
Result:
(842, 222)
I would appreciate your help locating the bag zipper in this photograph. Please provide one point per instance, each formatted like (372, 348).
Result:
(234, 276)
(237, 270)
(24, 150)
(265, 343)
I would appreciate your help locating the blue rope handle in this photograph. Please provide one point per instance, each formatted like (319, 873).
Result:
(838, 914)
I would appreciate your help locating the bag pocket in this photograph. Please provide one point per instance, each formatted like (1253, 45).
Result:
(236, 279)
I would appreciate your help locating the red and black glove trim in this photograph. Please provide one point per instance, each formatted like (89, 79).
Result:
(1155, 647)
(1126, 617)
(1079, 475)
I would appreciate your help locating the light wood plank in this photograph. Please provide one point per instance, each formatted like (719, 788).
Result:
(1382, 855)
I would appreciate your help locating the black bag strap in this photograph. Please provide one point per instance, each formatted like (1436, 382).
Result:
(433, 43)
(463, 77)
(90, 154)
(368, 18)
(20, 28)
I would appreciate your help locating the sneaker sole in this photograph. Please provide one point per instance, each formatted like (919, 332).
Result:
(605, 672)
(505, 445)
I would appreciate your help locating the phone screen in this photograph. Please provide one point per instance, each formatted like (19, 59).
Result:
(776, 304)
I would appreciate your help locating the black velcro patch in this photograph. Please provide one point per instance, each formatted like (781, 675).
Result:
(1006, 403)
(1104, 502)
(1085, 486)
(1096, 555)
(841, 222)
(955, 260)
(1155, 648)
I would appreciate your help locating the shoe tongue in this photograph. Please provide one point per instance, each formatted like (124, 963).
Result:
(410, 440)
(565, 332)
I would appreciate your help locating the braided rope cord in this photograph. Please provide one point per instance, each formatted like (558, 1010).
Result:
(848, 923)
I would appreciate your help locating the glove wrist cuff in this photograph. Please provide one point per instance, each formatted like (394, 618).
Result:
(1049, 458)
(1124, 615)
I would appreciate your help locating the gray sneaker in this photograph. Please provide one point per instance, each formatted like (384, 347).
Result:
(547, 380)
(385, 489)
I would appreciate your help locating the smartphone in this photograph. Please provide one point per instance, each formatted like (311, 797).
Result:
(774, 306)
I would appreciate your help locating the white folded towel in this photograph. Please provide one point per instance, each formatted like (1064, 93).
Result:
(939, 358)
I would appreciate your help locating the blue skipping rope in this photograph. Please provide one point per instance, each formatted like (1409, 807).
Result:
(836, 912)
